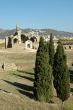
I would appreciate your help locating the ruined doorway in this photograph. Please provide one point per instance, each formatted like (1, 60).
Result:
(15, 41)
(24, 38)
(9, 42)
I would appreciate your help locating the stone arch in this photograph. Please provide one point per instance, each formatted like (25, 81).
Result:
(15, 41)
(28, 44)
(24, 38)
(33, 39)
(9, 42)
(69, 46)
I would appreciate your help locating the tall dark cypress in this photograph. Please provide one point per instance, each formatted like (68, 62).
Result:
(43, 74)
(51, 50)
(61, 73)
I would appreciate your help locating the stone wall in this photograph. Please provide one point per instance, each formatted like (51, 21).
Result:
(68, 47)
(8, 67)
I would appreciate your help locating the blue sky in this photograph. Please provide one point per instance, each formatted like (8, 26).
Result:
(54, 14)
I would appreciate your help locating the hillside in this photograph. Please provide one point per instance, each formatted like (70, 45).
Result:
(42, 32)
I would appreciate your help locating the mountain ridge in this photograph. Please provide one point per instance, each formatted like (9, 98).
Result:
(42, 32)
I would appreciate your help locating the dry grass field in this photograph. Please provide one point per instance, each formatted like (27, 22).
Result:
(16, 87)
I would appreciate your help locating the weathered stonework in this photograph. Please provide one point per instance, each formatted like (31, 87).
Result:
(8, 67)
(18, 39)
(28, 44)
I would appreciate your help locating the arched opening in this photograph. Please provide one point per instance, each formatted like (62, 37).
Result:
(23, 38)
(9, 42)
(69, 47)
(28, 46)
(33, 39)
(16, 33)
(72, 64)
(15, 41)
(65, 48)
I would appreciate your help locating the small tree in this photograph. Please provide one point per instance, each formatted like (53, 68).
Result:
(43, 74)
(51, 50)
(61, 74)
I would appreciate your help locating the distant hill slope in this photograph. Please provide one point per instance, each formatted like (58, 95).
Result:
(42, 32)
(4, 33)
(57, 33)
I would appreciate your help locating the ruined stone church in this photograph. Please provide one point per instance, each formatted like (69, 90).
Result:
(27, 40)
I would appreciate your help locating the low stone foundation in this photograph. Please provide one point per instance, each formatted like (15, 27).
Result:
(8, 67)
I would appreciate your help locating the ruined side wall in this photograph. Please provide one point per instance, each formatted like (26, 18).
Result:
(68, 47)
(19, 36)
(8, 67)
(6, 42)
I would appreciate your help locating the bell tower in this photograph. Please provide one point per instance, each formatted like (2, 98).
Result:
(18, 33)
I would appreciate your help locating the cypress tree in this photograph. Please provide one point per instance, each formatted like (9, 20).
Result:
(51, 50)
(43, 74)
(61, 74)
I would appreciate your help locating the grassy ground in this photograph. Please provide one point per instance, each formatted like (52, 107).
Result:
(2, 45)
(16, 87)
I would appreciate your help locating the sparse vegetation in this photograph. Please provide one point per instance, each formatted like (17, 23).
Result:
(68, 106)
(2, 45)
(20, 84)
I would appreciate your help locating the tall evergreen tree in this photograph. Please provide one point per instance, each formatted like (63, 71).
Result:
(43, 74)
(51, 50)
(61, 74)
